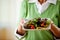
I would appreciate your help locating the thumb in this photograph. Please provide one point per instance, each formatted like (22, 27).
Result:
(52, 25)
(20, 28)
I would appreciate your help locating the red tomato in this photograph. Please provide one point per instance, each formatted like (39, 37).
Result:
(32, 27)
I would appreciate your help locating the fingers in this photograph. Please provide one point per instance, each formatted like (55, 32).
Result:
(22, 21)
(20, 29)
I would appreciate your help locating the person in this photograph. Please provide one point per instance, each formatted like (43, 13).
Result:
(44, 9)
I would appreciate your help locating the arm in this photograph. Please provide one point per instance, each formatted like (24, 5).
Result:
(23, 13)
(55, 30)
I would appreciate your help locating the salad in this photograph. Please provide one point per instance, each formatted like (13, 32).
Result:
(37, 23)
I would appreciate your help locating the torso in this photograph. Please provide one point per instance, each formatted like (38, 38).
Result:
(49, 13)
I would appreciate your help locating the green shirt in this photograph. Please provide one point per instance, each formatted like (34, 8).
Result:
(29, 11)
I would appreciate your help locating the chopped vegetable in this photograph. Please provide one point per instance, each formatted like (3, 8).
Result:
(37, 23)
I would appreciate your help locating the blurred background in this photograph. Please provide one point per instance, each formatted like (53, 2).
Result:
(9, 16)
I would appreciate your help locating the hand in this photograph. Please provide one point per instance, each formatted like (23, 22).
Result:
(20, 29)
(55, 30)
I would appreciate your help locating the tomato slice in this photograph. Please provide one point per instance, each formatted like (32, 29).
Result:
(32, 27)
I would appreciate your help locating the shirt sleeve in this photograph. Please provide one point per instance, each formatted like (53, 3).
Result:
(59, 16)
(22, 15)
(18, 36)
(23, 10)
